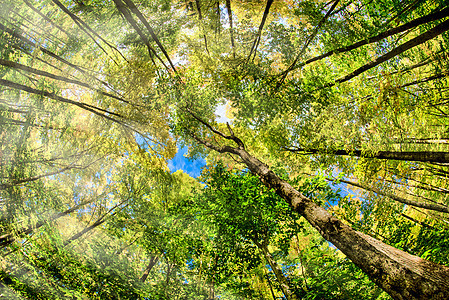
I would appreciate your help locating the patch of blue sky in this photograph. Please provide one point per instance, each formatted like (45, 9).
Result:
(192, 167)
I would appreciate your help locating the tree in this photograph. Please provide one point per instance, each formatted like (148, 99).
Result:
(359, 86)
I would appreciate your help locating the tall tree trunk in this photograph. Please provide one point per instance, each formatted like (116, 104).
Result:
(419, 21)
(400, 274)
(426, 36)
(259, 32)
(97, 223)
(423, 156)
(139, 15)
(15, 65)
(287, 290)
(151, 264)
(231, 26)
(431, 206)
(200, 18)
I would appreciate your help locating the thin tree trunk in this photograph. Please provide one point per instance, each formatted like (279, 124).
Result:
(231, 26)
(85, 106)
(270, 285)
(419, 21)
(307, 43)
(430, 34)
(126, 13)
(15, 65)
(400, 274)
(287, 290)
(43, 16)
(259, 32)
(9, 238)
(200, 18)
(424, 156)
(151, 264)
(48, 52)
(136, 11)
(86, 29)
(430, 206)
(97, 223)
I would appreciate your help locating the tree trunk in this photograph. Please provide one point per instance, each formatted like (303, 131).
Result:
(97, 223)
(431, 206)
(200, 18)
(9, 238)
(430, 34)
(423, 156)
(419, 21)
(283, 282)
(231, 26)
(151, 264)
(400, 274)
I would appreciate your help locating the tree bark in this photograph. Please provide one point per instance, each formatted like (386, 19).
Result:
(15, 65)
(400, 274)
(200, 18)
(97, 223)
(259, 32)
(430, 34)
(139, 15)
(423, 156)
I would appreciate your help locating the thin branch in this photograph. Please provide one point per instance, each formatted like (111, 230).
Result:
(306, 44)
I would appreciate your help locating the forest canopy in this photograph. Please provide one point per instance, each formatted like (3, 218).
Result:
(326, 179)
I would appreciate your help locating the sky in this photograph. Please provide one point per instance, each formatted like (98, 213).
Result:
(189, 166)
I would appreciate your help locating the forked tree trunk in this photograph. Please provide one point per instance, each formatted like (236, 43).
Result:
(400, 274)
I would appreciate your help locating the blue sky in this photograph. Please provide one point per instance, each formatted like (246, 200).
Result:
(180, 162)
(193, 167)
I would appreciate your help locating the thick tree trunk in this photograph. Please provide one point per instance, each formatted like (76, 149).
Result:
(423, 156)
(283, 282)
(400, 274)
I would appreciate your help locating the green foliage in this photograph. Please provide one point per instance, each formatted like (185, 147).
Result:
(94, 112)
